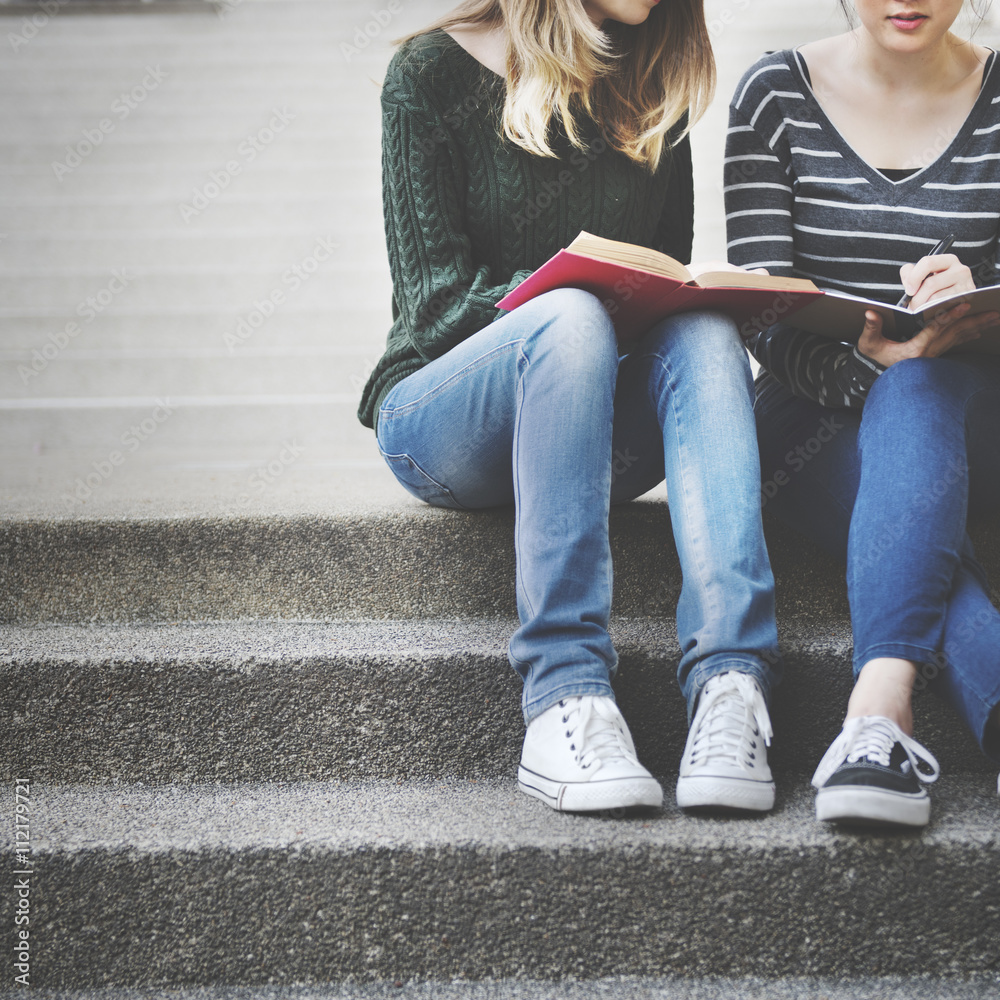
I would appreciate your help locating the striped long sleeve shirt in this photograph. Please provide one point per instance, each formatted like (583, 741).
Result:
(801, 202)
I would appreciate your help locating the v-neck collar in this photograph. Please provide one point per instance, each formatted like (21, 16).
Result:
(873, 174)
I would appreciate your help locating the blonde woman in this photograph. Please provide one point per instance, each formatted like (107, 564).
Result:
(508, 127)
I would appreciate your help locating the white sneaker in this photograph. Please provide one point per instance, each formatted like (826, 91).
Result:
(725, 760)
(578, 756)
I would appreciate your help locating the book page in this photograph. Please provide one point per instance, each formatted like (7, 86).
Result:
(744, 279)
(629, 255)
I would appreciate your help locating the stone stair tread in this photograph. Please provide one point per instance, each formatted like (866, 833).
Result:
(245, 644)
(291, 883)
(280, 546)
(617, 988)
(458, 815)
(270, 700)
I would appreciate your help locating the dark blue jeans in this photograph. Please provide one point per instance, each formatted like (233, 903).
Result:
(889, 489)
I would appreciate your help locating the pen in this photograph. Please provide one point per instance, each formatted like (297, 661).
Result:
(943, 247)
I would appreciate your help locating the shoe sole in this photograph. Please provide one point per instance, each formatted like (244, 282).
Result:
(590, 796)
(872, 806)
(724, 793)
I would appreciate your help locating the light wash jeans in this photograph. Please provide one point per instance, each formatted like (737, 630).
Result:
(888, 490)
(539, 410)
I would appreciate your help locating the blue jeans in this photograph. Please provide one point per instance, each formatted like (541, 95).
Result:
(539, 410)
(889, 489)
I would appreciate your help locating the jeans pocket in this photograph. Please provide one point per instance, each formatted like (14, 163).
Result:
(417, 482)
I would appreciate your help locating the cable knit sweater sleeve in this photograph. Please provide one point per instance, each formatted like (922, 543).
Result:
(440, 294)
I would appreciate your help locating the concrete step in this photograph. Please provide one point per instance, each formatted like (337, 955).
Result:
(170, 250)
(278, 884)
(616, 988)
(379, 557)
(179, 183)
(157, 166)
(236, 292)
(102, 375)
(188, 331)
(299, 701)
(231, 210)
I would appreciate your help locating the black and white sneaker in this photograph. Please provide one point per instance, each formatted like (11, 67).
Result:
(871, 775)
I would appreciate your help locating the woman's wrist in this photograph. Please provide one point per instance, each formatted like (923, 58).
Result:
(876, 366)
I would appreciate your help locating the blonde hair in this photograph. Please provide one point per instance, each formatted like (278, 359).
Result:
(637, 82)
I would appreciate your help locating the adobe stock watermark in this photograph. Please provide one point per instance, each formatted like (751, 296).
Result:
(366, 33)
(726, 17)
(122, 106)
(453, 117)
(554, 188)
(248, 150)
(783, 303)
(30, 26)
(291, 281)
(902, 523)
(359, 378)
(88, 310)
(223, 8)
(84, 487)
(798, 457)
(24, 870)
(267, 475)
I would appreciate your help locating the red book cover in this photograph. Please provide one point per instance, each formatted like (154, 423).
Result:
(635, 299)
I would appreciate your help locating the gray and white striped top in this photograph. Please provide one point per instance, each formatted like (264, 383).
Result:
(801, 202)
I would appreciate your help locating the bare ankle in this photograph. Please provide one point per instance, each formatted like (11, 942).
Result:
(884, 687)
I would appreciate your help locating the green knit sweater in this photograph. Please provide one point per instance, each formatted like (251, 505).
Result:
(468, 215)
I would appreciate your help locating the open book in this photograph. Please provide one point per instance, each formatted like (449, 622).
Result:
(639, 286)
(842, 317)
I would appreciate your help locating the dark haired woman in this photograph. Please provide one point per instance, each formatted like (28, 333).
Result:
(848, 160)
(508, 127)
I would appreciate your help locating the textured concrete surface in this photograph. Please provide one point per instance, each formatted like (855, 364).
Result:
(280, 701)
(395, 564)
(275, 883)
(619, 988)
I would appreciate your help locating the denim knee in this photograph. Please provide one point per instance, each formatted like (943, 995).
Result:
(705, 340)
(924, 395)
(909, 382)
(575, 330)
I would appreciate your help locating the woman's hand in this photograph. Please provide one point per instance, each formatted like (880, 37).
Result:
(947, 330)
(934, 278)
(706, 266)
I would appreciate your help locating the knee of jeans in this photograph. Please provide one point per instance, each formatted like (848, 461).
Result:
(910, 379)
(705, 351)
(705, 337)
(916, 391)
(576, 328)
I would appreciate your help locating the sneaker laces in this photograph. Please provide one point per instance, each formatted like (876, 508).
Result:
(598, 738)
(871, 737)
(721, 727)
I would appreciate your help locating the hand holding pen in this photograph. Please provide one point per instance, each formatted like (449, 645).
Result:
(934, 276)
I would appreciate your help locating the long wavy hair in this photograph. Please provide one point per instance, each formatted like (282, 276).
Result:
(637, 82)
